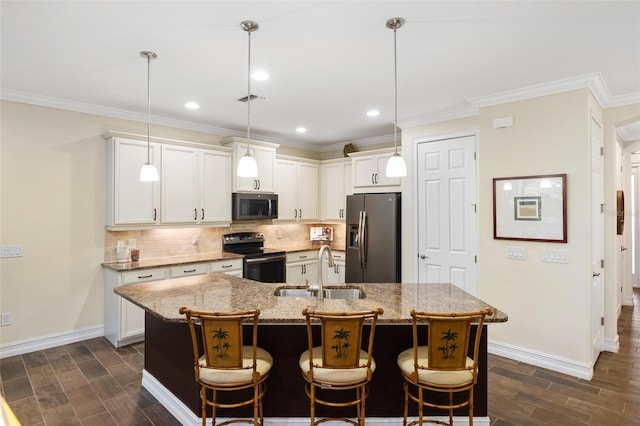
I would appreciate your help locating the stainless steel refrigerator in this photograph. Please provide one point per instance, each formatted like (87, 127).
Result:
(373, 238)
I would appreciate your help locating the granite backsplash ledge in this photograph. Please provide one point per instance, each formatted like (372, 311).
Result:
(169, 242)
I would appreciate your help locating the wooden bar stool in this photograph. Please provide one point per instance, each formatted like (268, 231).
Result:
(339, 363)
(443, 365)
(223, 364)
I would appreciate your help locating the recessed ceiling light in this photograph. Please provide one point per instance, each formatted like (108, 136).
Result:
(260, 75)
(373, 113)
(301, 129)
(191, 105)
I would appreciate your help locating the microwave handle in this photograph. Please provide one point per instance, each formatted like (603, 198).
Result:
(269, 208)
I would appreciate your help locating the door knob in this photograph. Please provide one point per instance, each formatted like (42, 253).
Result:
(622, 248)
(422, 256)
(596, 274)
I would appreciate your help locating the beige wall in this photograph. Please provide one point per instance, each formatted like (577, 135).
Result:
(549, 304)
(52, 199)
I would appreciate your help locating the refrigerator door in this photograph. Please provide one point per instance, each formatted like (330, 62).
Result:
(382, 238)
(373, 238)
(354, 272)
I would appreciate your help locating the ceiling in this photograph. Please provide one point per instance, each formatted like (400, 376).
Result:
(329, 61)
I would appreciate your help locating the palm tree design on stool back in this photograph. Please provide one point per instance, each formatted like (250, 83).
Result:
(449, 337)
(223, 342)
(222, 347)
(342, 345)
(448, 343)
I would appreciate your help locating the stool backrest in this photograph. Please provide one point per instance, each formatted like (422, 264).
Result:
(218, 336)
(448, 339)
(341, 337)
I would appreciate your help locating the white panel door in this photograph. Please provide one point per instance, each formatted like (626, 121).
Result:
(286, 185)
(308, 191)
(447, 221)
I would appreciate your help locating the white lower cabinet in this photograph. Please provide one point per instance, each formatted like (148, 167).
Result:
(231, 267)
(188, 269)
(335, 274)
(302, 267)
(124, 321)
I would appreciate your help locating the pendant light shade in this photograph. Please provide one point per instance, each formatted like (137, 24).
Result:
(248, 167)
(396, 166)
(149, 173)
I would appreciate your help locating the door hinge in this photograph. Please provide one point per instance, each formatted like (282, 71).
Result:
(601, 208)
(475, 207)
(602, 263)
(601, 151)
(601, 320)
(474, 155)
(475, 258)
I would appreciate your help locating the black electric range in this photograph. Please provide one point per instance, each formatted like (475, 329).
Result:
(260, 263)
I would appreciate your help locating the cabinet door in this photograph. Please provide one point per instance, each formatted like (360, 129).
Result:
(294, 274)
(215, 189)
(381, 177)
(334, 178)
(179, 177)
(244, 183)
(133, 202)
(266, 157)
(364, 171)
(286, 186)
(308, 191)
(310, 273)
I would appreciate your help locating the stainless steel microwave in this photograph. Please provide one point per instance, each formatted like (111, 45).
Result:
(251, 206)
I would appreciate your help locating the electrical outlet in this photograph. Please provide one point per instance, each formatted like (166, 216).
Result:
(7, 319)
(194, 240)
(132, 243)
(279, 235)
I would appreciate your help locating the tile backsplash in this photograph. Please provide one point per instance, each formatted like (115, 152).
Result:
(156, 243)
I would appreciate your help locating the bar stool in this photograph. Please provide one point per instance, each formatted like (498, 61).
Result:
(339, 363)
(223, 364)
(443, 365)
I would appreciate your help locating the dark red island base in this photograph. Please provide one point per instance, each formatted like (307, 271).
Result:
(169, 359)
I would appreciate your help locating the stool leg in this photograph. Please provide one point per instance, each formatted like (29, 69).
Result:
(420, 405)
(203, 400)
(256, 408)
(450, 409)
(471, 406)
(312, 394)
(405, 387)
(362, 392)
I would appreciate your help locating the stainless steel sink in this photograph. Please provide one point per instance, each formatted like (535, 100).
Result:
(330, 292)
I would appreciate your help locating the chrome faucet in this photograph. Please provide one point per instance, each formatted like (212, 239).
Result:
(324, 248)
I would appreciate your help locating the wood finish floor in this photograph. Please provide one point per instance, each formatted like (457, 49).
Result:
(91, 383)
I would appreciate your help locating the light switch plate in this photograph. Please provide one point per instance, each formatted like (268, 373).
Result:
(555, 256)
(12, 251)
(518, 253)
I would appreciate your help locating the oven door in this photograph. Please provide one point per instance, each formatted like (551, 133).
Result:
(266, 269)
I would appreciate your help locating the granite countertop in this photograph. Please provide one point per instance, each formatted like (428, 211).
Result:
(207, 257)
(222, 292)
(169, 261)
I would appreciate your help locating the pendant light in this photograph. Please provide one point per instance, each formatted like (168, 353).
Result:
(247, 167)
(149, 173)
(396, 166)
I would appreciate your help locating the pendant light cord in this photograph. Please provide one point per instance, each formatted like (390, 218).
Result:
(395, 94)
(148, 107)
(249, 93)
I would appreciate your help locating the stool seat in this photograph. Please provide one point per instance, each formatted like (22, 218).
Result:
(225, 376)
(433, 377)
(335, 375)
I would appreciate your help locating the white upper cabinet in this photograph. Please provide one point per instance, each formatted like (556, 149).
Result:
(369, 171)
(265, 155)
(196, 185)
(296, 183)
(129, 201)
(334, 188)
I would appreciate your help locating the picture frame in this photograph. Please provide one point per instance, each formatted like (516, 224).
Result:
(530, 208)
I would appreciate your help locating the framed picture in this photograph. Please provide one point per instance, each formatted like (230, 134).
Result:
(530, 208)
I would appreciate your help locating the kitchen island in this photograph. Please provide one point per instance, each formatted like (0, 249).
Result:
(168, 372)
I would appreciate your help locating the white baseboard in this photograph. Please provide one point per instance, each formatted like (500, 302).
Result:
(612, 345)
(186, 417)
(539, 359)
(51, 341)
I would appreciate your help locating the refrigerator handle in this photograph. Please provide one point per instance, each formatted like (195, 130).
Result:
(363, 239)
(360, 220)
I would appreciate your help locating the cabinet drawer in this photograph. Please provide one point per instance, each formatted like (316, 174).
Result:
(143, 275)
(302, 256)
(190, 269)
(226, 265)
(339, 256)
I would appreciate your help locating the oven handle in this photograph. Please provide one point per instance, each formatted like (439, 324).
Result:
(265, 259)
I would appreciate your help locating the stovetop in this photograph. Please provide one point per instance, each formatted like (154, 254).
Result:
(249, 244)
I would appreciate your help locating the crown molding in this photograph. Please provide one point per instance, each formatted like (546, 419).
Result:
(593, 82)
